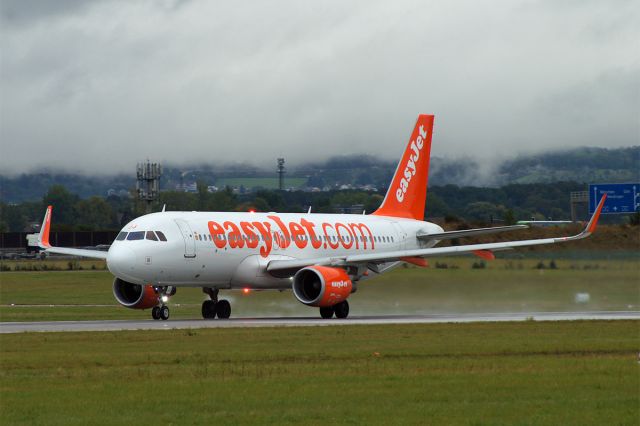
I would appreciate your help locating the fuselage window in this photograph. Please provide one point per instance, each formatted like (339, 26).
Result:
(121, 236)
(138, 235)
(161, 236)
(151, 236)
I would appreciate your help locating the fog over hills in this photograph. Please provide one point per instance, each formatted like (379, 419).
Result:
(582, 165)
(96, 86)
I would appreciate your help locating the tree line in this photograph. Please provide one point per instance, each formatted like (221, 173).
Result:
(449, 203)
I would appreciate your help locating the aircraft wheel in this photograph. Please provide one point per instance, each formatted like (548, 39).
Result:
(223, 309)
(208, 309)
(326, 312)
(155, 313)
(164, 313)
(342, 309)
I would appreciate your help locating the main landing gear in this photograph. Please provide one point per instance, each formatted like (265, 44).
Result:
(214, 307)
(341, 310)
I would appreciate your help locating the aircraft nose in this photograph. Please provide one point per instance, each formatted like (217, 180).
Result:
(121, 261)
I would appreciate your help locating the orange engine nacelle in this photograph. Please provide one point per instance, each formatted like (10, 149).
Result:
(135, 296)
(321, 285)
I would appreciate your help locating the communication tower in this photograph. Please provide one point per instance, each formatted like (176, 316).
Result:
(281, 173)
(148, 184)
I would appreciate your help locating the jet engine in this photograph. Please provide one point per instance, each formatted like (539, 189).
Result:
(135, 296)
(321, 286)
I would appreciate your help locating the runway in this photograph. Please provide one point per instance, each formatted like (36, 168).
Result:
(59, 326)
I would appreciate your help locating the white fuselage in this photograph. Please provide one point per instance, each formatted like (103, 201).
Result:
(232, 250)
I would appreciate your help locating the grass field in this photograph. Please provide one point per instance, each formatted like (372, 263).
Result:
(502, 286)
(584, 372)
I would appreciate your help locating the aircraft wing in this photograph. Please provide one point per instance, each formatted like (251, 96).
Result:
(480, 249)
(43, 242)
(94, 254)
(448, 235)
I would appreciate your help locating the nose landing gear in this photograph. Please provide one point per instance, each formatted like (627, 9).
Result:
(214, 307)
(161, 311)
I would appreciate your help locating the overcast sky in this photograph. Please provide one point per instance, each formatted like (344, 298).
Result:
(98, 85)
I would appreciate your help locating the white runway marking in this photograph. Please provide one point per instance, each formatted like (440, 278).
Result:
(19, 327)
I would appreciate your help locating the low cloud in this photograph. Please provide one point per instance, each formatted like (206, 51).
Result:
(98, 86)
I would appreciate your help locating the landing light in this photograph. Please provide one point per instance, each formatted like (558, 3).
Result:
(165, 298)
(246, 290)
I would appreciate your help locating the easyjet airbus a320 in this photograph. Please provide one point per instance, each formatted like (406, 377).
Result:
(321, 257)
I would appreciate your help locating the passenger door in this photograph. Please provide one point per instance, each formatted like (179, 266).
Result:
(189, 239)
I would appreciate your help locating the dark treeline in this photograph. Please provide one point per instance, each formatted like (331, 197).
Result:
(449, 203)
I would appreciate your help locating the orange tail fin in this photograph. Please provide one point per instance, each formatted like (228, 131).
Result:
(407, 193)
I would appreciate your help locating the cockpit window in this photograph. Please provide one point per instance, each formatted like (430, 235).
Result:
(151, 236)
(161, 236)
(138, 235)
(121, 236)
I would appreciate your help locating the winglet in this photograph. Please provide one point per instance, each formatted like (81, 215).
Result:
(43, 236)
(591, 227)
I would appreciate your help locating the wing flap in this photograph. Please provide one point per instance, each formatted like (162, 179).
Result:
(448, 235)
